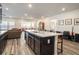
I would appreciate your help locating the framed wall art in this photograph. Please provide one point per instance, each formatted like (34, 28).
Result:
(68, 21)
(76, 21)
(60, 22)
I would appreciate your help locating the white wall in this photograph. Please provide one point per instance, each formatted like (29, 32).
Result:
(66, 15)
(49, 25)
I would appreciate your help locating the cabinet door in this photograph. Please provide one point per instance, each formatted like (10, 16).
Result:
(3, 42)
(1, 47)
(29, 41)
(26, 37)
(47, 46)
(32, 44)
(37, 46)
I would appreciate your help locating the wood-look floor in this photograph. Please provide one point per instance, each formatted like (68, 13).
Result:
(19, 47)
(70, 48)
(15, 47)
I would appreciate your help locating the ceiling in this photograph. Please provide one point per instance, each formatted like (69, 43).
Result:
(37, 10)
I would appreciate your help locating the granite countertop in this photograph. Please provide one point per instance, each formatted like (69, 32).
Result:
(44, 33)
(2, 32)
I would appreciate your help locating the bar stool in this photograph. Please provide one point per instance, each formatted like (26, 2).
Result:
(60, 45)
(76, 38)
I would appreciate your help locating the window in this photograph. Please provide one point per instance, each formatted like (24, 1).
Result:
(11, 25)
(3, 26)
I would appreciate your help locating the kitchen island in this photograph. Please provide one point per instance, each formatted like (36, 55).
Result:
(42, 42)
(3, 40)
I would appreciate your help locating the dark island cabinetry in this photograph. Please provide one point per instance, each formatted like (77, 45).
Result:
(40, 45)
(3, 41)
(31, 42)
(37, 46)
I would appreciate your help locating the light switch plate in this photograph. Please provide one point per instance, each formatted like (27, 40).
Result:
(48, 41)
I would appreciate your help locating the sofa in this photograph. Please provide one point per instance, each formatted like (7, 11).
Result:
(14, 33)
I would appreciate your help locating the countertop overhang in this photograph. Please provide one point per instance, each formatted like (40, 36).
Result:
(43, 33)
(2, 32)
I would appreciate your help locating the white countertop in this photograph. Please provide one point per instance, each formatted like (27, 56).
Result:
(43, 33)
(2, 32)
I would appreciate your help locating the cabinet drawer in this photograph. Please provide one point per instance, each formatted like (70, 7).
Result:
(48, 41)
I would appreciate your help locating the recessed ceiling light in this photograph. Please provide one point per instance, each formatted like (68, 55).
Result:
(63, 9)
(6, 8)
(25, 14)
(30, 5)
